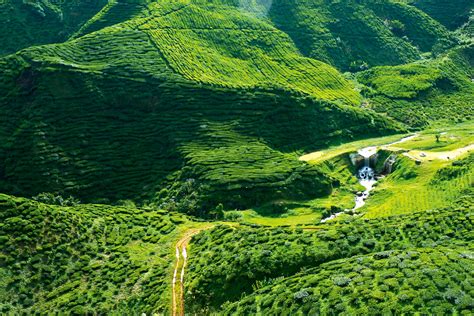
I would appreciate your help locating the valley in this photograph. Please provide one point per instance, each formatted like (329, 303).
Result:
(237, 157)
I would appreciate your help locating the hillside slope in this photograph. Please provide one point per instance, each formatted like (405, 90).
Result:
(204, 101)
(34, 22)
(353, 35)
(451, 13)
(227, 262)
(84, 259)
(421, 92)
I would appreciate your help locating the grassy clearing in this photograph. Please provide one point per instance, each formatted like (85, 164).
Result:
(411, 188)
(414, 187)
(322, 155)
(450, 138)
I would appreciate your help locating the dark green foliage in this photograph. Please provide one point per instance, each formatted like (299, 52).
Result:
(226, 262)
(451, 13)
(120, 114)
(95, 257)
(24, 23)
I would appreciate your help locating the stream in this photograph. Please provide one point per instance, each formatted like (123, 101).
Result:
(366, 176)
(367, 179)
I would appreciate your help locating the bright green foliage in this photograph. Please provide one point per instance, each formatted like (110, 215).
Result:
(83, 259)
(123, 113)
(413, 187)
(422, 92)
(427, 280)
(226, 262)
(31, 22)
(355, 34)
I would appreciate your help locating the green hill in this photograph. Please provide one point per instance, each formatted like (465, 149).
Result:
(420, 92)
(228, 262)
(85, 258)
(24, 23)
(352, 35)
(205, 94)
(421, 280)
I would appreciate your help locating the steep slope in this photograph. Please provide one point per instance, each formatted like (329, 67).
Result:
(204, 97)
(426, 91)
(84, 259)
(355, 34)
(34, 22)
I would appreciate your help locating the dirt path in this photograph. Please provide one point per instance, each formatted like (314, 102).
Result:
(443, 155)
(181, 262)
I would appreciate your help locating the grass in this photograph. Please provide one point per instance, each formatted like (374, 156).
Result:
(451, 138)
(422, 93)
(322, 155)
(411, 189)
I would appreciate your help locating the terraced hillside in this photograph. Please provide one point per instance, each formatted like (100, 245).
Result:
(226, 263)
(85, 258)
(427, 280)
(353, 35)
(181, 98)
(420, 92)
(34, 22)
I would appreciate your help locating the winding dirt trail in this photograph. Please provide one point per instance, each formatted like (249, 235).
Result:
(181, 261)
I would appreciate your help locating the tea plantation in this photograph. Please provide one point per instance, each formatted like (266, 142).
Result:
(122, 114)
(84, 258)
(424, 280)
(34, 22)
(417, 93)
(228, 262)
(203, 157)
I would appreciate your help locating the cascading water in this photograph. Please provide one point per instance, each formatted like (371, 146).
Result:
(366, 176)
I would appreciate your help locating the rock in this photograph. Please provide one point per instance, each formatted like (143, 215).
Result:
(418, 162)
(359, 193)
(422, 155)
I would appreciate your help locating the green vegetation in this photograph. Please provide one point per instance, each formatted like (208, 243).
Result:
(84, 259)
(354, 35)
(226, 262)
(118, 117)
(24, 23)
(122, 114)
(420, 280)
(450, 138)
(412, 187)
(451, 13)
(422, 92)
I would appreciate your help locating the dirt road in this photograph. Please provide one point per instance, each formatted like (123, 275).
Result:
(181, 261)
